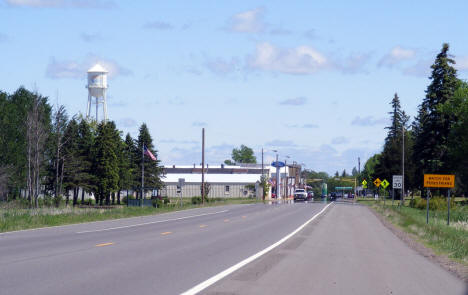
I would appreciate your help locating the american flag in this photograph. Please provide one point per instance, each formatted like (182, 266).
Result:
(149, 154)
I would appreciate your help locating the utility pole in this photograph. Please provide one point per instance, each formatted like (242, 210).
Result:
(262, 163)
(359, 172)
(142, 170)
(402, 199)
(203, 167)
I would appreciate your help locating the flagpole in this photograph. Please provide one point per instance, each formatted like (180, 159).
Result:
(142, 172)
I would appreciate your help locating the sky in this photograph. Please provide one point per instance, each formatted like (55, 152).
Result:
(312, 80)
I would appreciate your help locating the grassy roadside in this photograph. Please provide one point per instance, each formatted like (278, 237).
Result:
(450, 241)
(12, 219)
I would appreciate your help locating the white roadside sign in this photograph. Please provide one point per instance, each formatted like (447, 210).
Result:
(397, 181)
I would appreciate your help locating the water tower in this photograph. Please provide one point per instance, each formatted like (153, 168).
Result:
(97, 87)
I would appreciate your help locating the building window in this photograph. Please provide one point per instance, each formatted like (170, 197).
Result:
(226, 189)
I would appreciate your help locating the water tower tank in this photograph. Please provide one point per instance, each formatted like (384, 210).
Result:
(97, 86)
(97, 80)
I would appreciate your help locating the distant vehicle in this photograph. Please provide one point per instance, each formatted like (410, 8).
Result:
(332, 197)
(310, 195)
(300, 194)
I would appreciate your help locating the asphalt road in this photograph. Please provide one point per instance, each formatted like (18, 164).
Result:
(163, 254)
(345, 250)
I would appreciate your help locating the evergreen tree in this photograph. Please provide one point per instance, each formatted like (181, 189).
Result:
(85, 156)
(432, 127)
(71, 161)
(391, 157)
(354, 172)
(152, 170)
(105, 166)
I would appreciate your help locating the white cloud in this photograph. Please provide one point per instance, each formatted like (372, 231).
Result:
(395, 56)
(126, 122)
(368, 121)
(91, 37)
(297, 101)
(91, 4)
(158, 25)
(299, 60)
(250, 21)
(220, 66)
(77, 69)
(420, 69)
(461, 63)
(340, 140)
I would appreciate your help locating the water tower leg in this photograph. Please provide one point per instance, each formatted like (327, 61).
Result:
(104, 104)
(97, 108)
(88, 109)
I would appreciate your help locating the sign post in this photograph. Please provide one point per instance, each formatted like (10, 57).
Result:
(179, 188)
(397, 183)
(439, 181)
(384, 184)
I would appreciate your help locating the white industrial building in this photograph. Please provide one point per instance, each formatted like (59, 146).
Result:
(225, 181)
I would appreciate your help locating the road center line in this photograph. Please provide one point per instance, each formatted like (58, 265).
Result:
(104, 244)
(224, 273)
(152, 222)
(166, 233)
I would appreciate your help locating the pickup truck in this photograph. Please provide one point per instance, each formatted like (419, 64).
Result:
(300, 194)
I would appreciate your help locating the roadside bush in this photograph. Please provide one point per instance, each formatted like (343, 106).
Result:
(124, 199)
(436, 203)
(198, 200)
(157, 203)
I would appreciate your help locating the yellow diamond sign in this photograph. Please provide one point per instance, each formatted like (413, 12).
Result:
(385, 183)
(364, 183)
(377, 182)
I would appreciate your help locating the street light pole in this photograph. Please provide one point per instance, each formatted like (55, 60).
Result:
(402, 199)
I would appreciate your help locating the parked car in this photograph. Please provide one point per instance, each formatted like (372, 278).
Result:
(332, 197)
(300, 194)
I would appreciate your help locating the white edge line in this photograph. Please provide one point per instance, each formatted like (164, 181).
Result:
(107, 220)
(219, 276)
(151, 222)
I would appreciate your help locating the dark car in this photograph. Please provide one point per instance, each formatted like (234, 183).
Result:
(332, 197)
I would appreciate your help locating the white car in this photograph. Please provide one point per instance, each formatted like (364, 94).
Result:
(300, 194)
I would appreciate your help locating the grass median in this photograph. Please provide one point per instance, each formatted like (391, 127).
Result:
(448, 240)
(13, 218)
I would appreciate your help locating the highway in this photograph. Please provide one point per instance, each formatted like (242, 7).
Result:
(342, 250)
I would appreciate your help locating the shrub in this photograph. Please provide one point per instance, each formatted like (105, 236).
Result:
(196, 200)
(436, 203)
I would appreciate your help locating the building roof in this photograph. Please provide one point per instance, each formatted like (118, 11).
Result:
(97, 68)
(212, 178)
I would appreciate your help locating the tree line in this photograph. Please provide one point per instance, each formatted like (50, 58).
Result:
(436, 141)
(43, 152)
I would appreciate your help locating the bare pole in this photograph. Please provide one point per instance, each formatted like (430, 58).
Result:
(203, 166)
(403, 166)
(142, 172)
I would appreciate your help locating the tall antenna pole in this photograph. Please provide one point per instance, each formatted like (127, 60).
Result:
(403, 166)
(142, 172)
(203, 166)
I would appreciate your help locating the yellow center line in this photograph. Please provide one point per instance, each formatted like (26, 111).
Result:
(203, 225)
(104, 244)
(166, 233)
(244, 216)
(226, 220)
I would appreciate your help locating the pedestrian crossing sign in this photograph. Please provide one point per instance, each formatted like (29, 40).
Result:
(364, 184)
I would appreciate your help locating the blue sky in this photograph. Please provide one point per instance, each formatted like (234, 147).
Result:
(311, 79)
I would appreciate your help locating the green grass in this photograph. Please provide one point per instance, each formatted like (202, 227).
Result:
(451, 241)
(12, 218)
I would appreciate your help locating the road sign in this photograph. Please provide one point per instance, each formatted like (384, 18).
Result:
(278, 164)
(397, 181)
(364, 183)
(377, 182)
(439, 180)
(384, 183)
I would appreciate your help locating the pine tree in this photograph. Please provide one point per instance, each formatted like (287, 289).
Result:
(431, 128)
(391, 157)
(153, 171)
(105, 166)
(85, 156)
